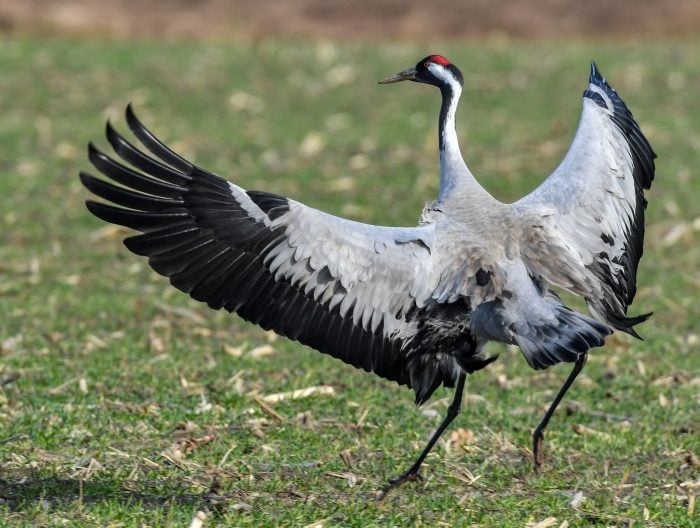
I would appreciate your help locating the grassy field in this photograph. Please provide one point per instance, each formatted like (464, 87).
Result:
(123, 403)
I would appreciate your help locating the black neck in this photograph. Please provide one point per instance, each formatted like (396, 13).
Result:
(447, 99)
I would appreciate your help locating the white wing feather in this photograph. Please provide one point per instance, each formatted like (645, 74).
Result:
(584, 226)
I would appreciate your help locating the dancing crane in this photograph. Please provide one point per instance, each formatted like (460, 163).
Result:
(415, 305)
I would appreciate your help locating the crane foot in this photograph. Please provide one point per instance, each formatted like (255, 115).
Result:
(537, 452)
(410, 476)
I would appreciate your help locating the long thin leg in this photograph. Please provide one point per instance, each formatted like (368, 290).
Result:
(538, 435)
(452, 411)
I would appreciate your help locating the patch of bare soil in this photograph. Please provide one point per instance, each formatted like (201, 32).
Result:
(348, 19)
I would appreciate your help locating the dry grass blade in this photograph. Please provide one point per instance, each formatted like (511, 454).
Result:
(675, 234)
(85, 469)
(232, 350)
(269, 410)
(174, 456)
(190, 444)
(151, 463)
(135, 408)
(346, 457)
(583, 430)
(156, 343)
(576, 407)
(348, 476)
(109, 233)
(184, 313)
(621, 485)
(546, 523)
(261, 352)
(63, 386)
(464, 474)
(226, 455)
(316, 524)
(321, 390)
(577, 499)
(461, 437)
(198, 520)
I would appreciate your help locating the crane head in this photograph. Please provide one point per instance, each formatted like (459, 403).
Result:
(433, 69)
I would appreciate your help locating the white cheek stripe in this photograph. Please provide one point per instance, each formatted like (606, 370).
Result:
(446, 76)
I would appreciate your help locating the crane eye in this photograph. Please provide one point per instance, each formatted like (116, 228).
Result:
(426, 64)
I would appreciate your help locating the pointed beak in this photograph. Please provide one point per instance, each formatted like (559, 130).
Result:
(406, 75)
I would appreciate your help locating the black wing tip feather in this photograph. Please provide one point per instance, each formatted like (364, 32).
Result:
(93, 152)
(642, 152)
(133, 121)
(98, 158)
(218, 267)
(155, 145)
(106, 212)
(88, 181)
(111, 133)
(598, 79)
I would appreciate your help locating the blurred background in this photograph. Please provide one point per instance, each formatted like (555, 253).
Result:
(379, 19)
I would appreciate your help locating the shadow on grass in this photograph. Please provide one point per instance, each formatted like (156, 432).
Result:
(27, 490)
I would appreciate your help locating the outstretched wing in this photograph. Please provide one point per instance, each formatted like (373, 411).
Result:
(586, 221)
(339, 286)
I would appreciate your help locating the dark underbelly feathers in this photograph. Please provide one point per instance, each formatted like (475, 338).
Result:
(443, 347)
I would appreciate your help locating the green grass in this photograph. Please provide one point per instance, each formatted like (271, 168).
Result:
(133, 406)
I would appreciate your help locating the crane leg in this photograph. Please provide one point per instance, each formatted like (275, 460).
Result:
(452, 411)
(538, 435)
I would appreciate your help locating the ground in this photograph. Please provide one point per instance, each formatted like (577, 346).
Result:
(124, 403)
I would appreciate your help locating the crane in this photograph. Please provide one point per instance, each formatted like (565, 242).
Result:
(415, 305)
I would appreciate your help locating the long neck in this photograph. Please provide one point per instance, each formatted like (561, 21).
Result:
(455, 177)
(448, 110)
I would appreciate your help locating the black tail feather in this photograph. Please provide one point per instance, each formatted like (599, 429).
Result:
(626, 324)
